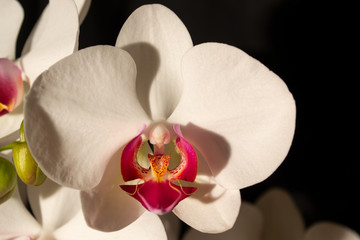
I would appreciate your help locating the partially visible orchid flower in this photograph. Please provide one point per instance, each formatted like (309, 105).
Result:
(176, 127)
(11, 86)
(275, 216)
(57, 215)
(54, 36)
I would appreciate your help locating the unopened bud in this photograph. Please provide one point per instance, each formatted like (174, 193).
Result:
(7, 179)
(26, 167)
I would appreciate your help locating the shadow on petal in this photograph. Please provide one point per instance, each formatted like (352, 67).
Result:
(107, 207)
(214, 148)
(147, 61)
(204, 193)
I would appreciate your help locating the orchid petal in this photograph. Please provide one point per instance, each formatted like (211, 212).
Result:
(282, 219)
(156, 39)
(147, 226)
(10, 124)
(83, 7)
(107, 207)
(248, 226)
(130, 168)
(74, 148)
(188, 166)
(12, 87)
(16, 220)
(212, 208)
(330, 231)
(52, 204)
(54, 37)
(11, 17)
(232, 95)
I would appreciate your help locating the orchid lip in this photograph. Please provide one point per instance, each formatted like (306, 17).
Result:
(161, 189)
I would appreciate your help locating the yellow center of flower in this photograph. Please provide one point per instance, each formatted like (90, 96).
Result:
(159, 165)
(3, 107)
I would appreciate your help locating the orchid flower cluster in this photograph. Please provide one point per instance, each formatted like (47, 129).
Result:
(128, 133)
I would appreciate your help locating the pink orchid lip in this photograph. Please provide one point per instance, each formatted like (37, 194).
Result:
(11, 86)
(160, 190)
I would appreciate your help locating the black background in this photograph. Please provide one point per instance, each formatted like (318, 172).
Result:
(312, 46)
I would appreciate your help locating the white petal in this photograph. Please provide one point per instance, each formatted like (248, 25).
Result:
(10, 125)
(80, 113)
(16, 220)
(212, 208)
(282, 219)
(52, 204)
(148, 226)
(83, 7)
(240, 104)
(157, 40)
(330, 231)
(54, 36)
(107, 207)
(248, 226)
(11, 17)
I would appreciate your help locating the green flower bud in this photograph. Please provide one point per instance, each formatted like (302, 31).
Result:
(26, 167)
(7, 179)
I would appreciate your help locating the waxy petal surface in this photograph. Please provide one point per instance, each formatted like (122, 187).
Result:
(232, 95)
(157, 40)
(15, 219)
(11, 17)
(248, 226)
(147, 226)
(54, 37)
(72, 127)
(107, 207)
(212, 208)
(52, 204)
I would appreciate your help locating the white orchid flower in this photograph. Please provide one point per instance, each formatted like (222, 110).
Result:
(54, 36)
(217, 120)
(275, 216)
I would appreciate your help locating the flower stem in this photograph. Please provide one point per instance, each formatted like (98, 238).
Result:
(9, 146)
